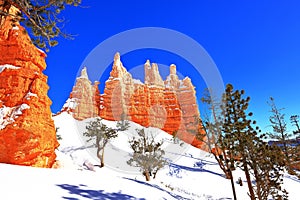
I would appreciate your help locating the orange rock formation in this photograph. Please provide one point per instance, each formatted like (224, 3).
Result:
(27, 132)
(84, 99)
(169, 105)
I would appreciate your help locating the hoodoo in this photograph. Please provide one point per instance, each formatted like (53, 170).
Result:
(27, 132)
(169, 105)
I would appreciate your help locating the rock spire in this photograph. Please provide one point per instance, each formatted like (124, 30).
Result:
(27, 132)
(169, 105)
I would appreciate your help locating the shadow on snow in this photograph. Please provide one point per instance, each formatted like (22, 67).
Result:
(195, 158)
(175, 170)
(73, 149)
(155, 186)
(80, 191)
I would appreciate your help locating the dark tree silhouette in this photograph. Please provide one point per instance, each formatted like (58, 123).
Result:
(295, 121)
(40, 16)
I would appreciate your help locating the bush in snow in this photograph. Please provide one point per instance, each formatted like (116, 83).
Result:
(123, 124)
(147, 154)
(96, 129)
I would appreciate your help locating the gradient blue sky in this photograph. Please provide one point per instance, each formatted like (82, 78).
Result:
(255, 44)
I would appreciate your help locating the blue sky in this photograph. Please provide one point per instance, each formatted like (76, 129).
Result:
(254, 44)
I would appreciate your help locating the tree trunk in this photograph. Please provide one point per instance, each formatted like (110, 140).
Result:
(232, 184)
(154, 173)
(247, 174)
(258, 183)
(98, 153)
(147, 175)
(102, 158)
(227, 169)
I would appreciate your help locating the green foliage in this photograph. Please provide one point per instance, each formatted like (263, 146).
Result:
(41, 17)
(213, 131)
(247, 150)
(280, 133)
(278, 123)
(123, 124)
(102, 134)
(147, 154)
(267, 167)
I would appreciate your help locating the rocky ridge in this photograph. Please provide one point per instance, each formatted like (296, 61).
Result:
(27, 132)
(169, 105)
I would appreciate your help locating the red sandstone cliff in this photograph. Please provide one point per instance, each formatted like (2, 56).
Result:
(169, 105)
(27, 132)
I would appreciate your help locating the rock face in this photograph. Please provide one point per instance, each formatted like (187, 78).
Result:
(169, 105)
(84, 99)
(27, 132)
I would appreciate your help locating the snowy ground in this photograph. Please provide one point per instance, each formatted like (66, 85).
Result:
(192, 173)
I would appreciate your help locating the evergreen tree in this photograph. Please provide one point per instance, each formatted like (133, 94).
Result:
(295, 160)
(279, 133)
(123, 124)
(248, 151)
(102, 134)
(295, 121)
(147, 154)
(267, 167)
(215, 140)
(40, 16)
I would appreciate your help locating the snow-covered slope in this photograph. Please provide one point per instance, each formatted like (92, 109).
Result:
(192, 173)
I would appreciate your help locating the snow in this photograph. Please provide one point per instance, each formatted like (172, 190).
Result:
(182, 85)
(137, 81)
(15, 28)
(70, 103)
(7, 66)
(29, 95)
(9, 114)
(183, 91)
(40, 50)
(112, 79)
(191, 174)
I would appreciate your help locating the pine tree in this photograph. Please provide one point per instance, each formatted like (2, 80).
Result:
(295, 121)
(215, 140)
(123, 124)
(280, 134)
(102, 134)
(40, 16)
(248, 151)
(147, 154)
(267, 167)
(295, 159)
